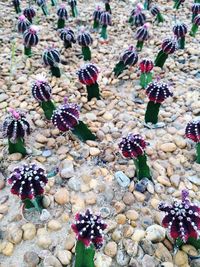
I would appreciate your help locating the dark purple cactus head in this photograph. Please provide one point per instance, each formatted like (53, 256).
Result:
(30, 36)
(16, 2)
(72, 3)
(84, 38)
(142, 33)
(41, 2)
(97, 13)
(89, 228)
(105, 18)
(66, 34)
(157, 92)
(29, 13)
(138, 16)
(15, 125)
(129, 56)
(62, 12)
(23, 24)
(197, 20)
(169, 45)
(182, 218)
(28, 181)
(154, 10)
(88, 74)
(192, 131)
(51, 56)
(146, 65)
(196, 8)
(132, 146)
(180, 30)
(41, 90)
(66, 116)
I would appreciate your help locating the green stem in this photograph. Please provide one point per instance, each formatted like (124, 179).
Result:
(86, 53)
(119, 67)
(27, 51)
(159, 18)
(74, 12)
(146, 4)
(67, 44)
(96, 25)
(82, 132)
(139, 45)
(44, 10)
(107, 7)
(34, 203)
(142, 169)
(145, 79)
(160, 59)
(198, 152)
(17, 147)
(197, 1)
(17, 8)
(194, 30)
(181, 42)
(130, 20)
(61, 23)
(177, 4)
(152, 111)
(93, 91)
(53, 2)
(84, 255)
(48, 108)
(55, 71)
(193, 16)
(104, 34)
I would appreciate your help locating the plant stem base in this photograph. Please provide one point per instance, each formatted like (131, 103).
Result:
(118, 69)
(107, 7)
(181, 42)
(198, 152)
(82, 132)
(86, 53)
(145, 79)
(34, 203)
(159, 18)
(17, 147)
(84, 255)
(27, 51)
(53, 2)
(67, 44)
(160, 59)
(96, 25)
(17, 8)
(104, 34)
(48, 108)
(194, 30)
(74, 12)
(177, 4)
(61, 23)
(93, 91)
(55, 71)
(142, 169)
(139, 45)
(44, 10)
(152, 111)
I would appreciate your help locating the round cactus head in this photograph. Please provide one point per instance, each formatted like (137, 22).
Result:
(88, 74)
(23, 24)
(97, 13)
(105, 18)
(41, 90)
(196, 8)
(84, 38)
(89, 228)
(62, 12)
(30, 36)
(130, 56)
(29, 13)
(132, 146)
(154, 10)
(51, 56)
(169, 45)
(67, 34)
(157, 92)
(197, 20)
(180, 30)
(192, 130)
(146, 65)
(66, 116)
(28, 181)
(142, 33)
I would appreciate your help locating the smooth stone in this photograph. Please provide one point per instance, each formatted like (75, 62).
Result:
(54, 225)
(45, 215)
(94, 151)
(105, 212)
(44, 241)
(29, 231)
(181, 258)
(70, 242)
(138, 235)
(6, 248)
(74, 184)
(155, 233)
(194, 179)
(102, 260)
(122, 258)
(149, 261)
(141, 186)
(147, 246)
(132, 215)
(168, 147)
(3, 208)
(122, 179)
(110, 249)
(52, 261)
(67, 169)
(64, 256)
(190, 250)
(162, 253)
(46, 153)
(195, 263)
(31, 258)
(62, 196)
(14, 233)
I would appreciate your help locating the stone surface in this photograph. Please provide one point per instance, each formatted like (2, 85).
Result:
(155, 233)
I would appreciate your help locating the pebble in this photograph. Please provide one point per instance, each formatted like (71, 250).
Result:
(147, 246)
(14, 233)
(64, 256)
(29, 231)
(138, 235)
(190, 250)
(105, 212)
(51, 261)
(195, 263)
(102, 260)
(110, 249)
(181, 259)
(120, 219)
(6, 248)
(31, 258)
(168, 147)
(162, 253)
(149, 261)
(44, 241)
(70, 242)
(15, 157)
(94, 151)
(62, 196)
(67, 169)
(122, 258)
(3, 208)
(141, 186)
(128, 198)
(54, 225)
(46, 153)
(74, 184)
(132, 215)
(122, 179)
(155, 233)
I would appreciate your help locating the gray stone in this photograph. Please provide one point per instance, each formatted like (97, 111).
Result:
(31, 258)
(147, 246)
(149, 261)
(122, 258)
(194, 179)
(195, 263)
(74, 184)
(122, 179)
(46, 153)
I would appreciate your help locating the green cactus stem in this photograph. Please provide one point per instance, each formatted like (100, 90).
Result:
(159, 18)
(67, 44)
(48, 108)
(34, 203)
(86, 53)
(82, 132)
(27, 51)
(139, 45)
(197, 1)
(119, 67)
(152, 111)
(146, 4)
(17, 8)
(142, 169)
(55, 71)
(53, 2)
(181, 42)
(130, 20)
(194, 30)
(160, 59)
(145, 79)
(198, 152)
(44, 10)
(74, 12)
(107, 7)
(93, 91)
(84, 255)
(61, 23)
(177, 4)
(17, 147)
(104, 34)
(96, 25)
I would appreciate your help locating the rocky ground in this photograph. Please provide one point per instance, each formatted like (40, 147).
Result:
(134, 236)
